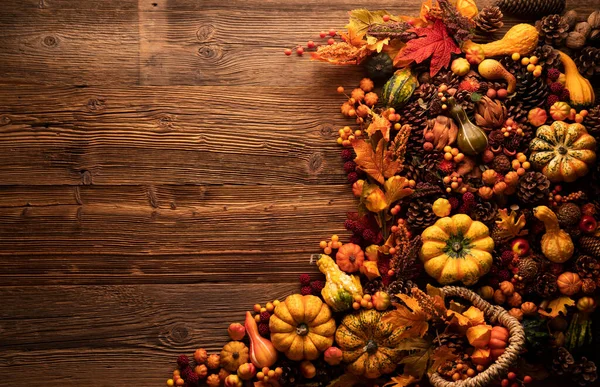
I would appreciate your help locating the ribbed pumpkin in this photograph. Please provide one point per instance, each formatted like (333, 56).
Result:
(563, 152)
(369, 345)
(233, 354)
(399, 88)
(457, 248)
(302, 327)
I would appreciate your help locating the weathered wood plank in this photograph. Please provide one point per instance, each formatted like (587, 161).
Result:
(188, 135)
(117, 335)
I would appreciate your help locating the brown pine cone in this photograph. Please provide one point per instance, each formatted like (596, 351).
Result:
(399, 286)
(531, 7)
(553, 29)
(416, 116)
(501, 164)
(563, 362)
(587, 267)
(489, 20)
(590, 245)
(517, 112)
(463, 97)
(527, 269)
(485, 212)
(531, 91)
(420, 214)
(588, 286)
(584, 372)
(588, 61)
(547, 56)
(568, 214)
(545, 285)
(533, 188)
(592, 122)
(372, 287)
(446, 77)
(452, 340)
(423, 189)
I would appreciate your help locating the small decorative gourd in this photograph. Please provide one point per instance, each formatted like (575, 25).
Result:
(340, 288)
(491, 69)
(262, 352)
(233, 355)
(563, 152)
(521, 38)
(399, 88)
(457, 248)
(569, 283)
(556, 244)
(471, 138)
(302, 327)
(581, 92)
(350, 257)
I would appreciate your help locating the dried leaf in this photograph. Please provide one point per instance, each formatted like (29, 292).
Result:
(396, 188)
(509, 226)
(410, 317)
(361, 19)
(401, 381)
(475, 316)
(375, 44)
(376, 163)
(440, 356)
(370, 270)
(457, 319)
(353, 37)
(416, 364)
(479, 336)
(432, 291)
(381, 124)
(557, 306)
(341, 53)
(433, 42)
(413, 344)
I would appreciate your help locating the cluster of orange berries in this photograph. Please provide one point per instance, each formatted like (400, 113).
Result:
(360, 96)
(269, 307)
(328, 247)
(520, 164)
(459, 370)
(442, 89)
(347, 135)
(453, 154)
(267, 374)
(556, 198)
(531, 63)
(510, 127)
(364, 301)
(454, 183)
(579, 117)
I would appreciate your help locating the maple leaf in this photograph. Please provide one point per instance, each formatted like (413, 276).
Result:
(381, 124)
(396, 188)
(509, 226)
(440, 356)
(557, 306)
(361, 19)
(341, 53)
(375, 44)
(433, 42)
(411, 317)
(376, 163)
(401, 381)
(354, 37)
(416, 364)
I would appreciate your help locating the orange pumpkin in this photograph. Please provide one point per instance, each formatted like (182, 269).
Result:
(498, 341)
(569, 283)
(350, 257)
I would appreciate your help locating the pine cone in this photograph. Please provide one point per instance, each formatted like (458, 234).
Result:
(485, 212)
(372, 287)
(531, 7)
(452, 340)
(592, 122)
(568, 214)
(563, 362)
(290, 376)
(531, 91)
(590, 245)
(501, 164)
(420, 214)
(588, 61)
(584, 372)
(588, 286)
(416, 116)
(547, 56)
(399, 286)
(545, 285)
(446, 77)
(587, 267)
(516, 111)
(489, 20)
(527, 269)
(553, 29)
(533, 188)
(392, 30)
(463, 97)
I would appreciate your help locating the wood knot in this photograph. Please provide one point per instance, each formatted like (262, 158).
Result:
(5, 120)
(95, 104)
(210, 51)
(165, 121)
(205, 33)
(152, 198)
(50, 41)
(86, 177)
(326, 131)
(315, 163)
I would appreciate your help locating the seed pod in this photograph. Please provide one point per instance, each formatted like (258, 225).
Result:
(594, 20)
(571, 18)
(575, 40)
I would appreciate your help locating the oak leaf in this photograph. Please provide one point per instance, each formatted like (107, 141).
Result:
(509, 226)
(416, 364)
(361, 19)
(409, 316)
(375, 44)
(381, 124)
(440, 356)
(432, 42)
(557, 306)
(376, 163)
(353, 37)
(401, 381)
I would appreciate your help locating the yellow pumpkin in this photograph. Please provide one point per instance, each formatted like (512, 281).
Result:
(302, 327)
(563, 152)
(556, 244)
(370, 346)
(457, 248)
(233, 355)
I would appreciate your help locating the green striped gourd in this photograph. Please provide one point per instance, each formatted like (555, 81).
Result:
(399, 88)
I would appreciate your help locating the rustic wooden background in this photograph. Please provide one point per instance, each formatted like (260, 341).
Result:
(163, 166)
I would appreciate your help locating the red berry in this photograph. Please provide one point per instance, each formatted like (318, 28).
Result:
(265, 316)
(386, 18)
(512, 376)
(330, 41)
(505, 383)
(527, 379)
(310, 44)
(305, 290)
(304, 279)
(332, 32)
(299, 51)
(323, 34)
(287, 52)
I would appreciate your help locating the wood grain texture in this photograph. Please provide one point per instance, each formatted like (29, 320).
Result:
(163, 166)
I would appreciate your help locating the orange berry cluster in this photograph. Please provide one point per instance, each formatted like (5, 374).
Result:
(520, 164)
(333, 244)
(453, 154)
(510, 127)
(556, 198)
(361, 96)
(266, 374)
(531, 63)
(460, 369)
(347, 135)
(362, 302)
(441, 93)
(454, 183)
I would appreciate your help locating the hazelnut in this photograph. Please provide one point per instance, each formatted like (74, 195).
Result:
(570, 18)
(575, 40)
(594, 20)
(583, 28)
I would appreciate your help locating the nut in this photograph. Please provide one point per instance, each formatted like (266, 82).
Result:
(594, 36)
(594, 20)
(570, 18)
(575, 40)
(583, 28)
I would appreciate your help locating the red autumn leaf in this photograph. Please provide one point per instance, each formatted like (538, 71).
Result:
(434, 42)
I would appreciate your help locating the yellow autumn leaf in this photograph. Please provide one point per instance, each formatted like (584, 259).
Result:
(396, 188)
(557, 306)
(378, 164)
(479, 336)
(474, 315)
(380, 124)
(370, 270)
(401, 381)
(375, 44)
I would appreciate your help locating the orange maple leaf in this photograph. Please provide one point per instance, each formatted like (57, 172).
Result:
(380, 123)
(378, 163)
(354, 37)
(440, 356)
(410, 316)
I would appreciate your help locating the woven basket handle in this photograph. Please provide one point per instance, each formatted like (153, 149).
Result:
(494, 314)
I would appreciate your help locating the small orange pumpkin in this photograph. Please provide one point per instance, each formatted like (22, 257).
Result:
(350, 257)
(569, 283)
(498, 341)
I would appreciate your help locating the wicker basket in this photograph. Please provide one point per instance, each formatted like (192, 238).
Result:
(494, 314)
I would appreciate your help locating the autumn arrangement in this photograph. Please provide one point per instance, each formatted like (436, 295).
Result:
(474, 256)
